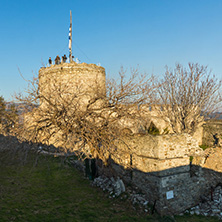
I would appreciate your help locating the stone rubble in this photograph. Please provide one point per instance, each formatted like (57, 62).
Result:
(210, 206)
(116, 187)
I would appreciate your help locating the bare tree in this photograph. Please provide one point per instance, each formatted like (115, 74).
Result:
(88, 128)
(2, 108)
(8, 116)
(187, 95)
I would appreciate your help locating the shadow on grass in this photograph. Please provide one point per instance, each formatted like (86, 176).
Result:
(46, 190)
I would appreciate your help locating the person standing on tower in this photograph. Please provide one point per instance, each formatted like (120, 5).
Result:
(57, 60)
(64, 58)
(50, 61)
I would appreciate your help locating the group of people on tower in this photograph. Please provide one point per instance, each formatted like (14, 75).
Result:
(57, 60)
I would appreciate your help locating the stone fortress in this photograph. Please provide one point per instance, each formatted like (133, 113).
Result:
(82, 82)
(160, 164)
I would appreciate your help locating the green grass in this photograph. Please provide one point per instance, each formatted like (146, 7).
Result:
(52, 191)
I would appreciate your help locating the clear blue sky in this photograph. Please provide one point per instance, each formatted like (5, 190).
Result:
(115, 33)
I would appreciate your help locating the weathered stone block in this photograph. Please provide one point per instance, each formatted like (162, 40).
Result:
(161, 146)
(161, 166)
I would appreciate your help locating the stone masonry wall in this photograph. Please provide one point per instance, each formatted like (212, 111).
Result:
(154, 153)
(160, 167)
(72, 81)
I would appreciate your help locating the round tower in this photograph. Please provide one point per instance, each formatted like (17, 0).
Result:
(68, 82)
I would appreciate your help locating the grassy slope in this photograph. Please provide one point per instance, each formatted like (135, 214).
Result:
(52, 191)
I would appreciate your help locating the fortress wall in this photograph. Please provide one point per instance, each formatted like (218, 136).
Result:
(160, 167)
(163, 148)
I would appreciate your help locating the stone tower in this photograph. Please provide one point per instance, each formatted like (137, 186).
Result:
(71, 82)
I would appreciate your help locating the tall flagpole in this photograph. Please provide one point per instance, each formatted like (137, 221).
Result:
(70, 38)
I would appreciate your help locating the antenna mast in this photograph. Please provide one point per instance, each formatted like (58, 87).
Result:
(70, 38)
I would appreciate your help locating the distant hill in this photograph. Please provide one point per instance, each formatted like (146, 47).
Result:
(21, 107)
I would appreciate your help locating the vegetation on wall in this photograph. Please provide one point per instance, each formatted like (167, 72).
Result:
(203, 146)
(153, 129)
